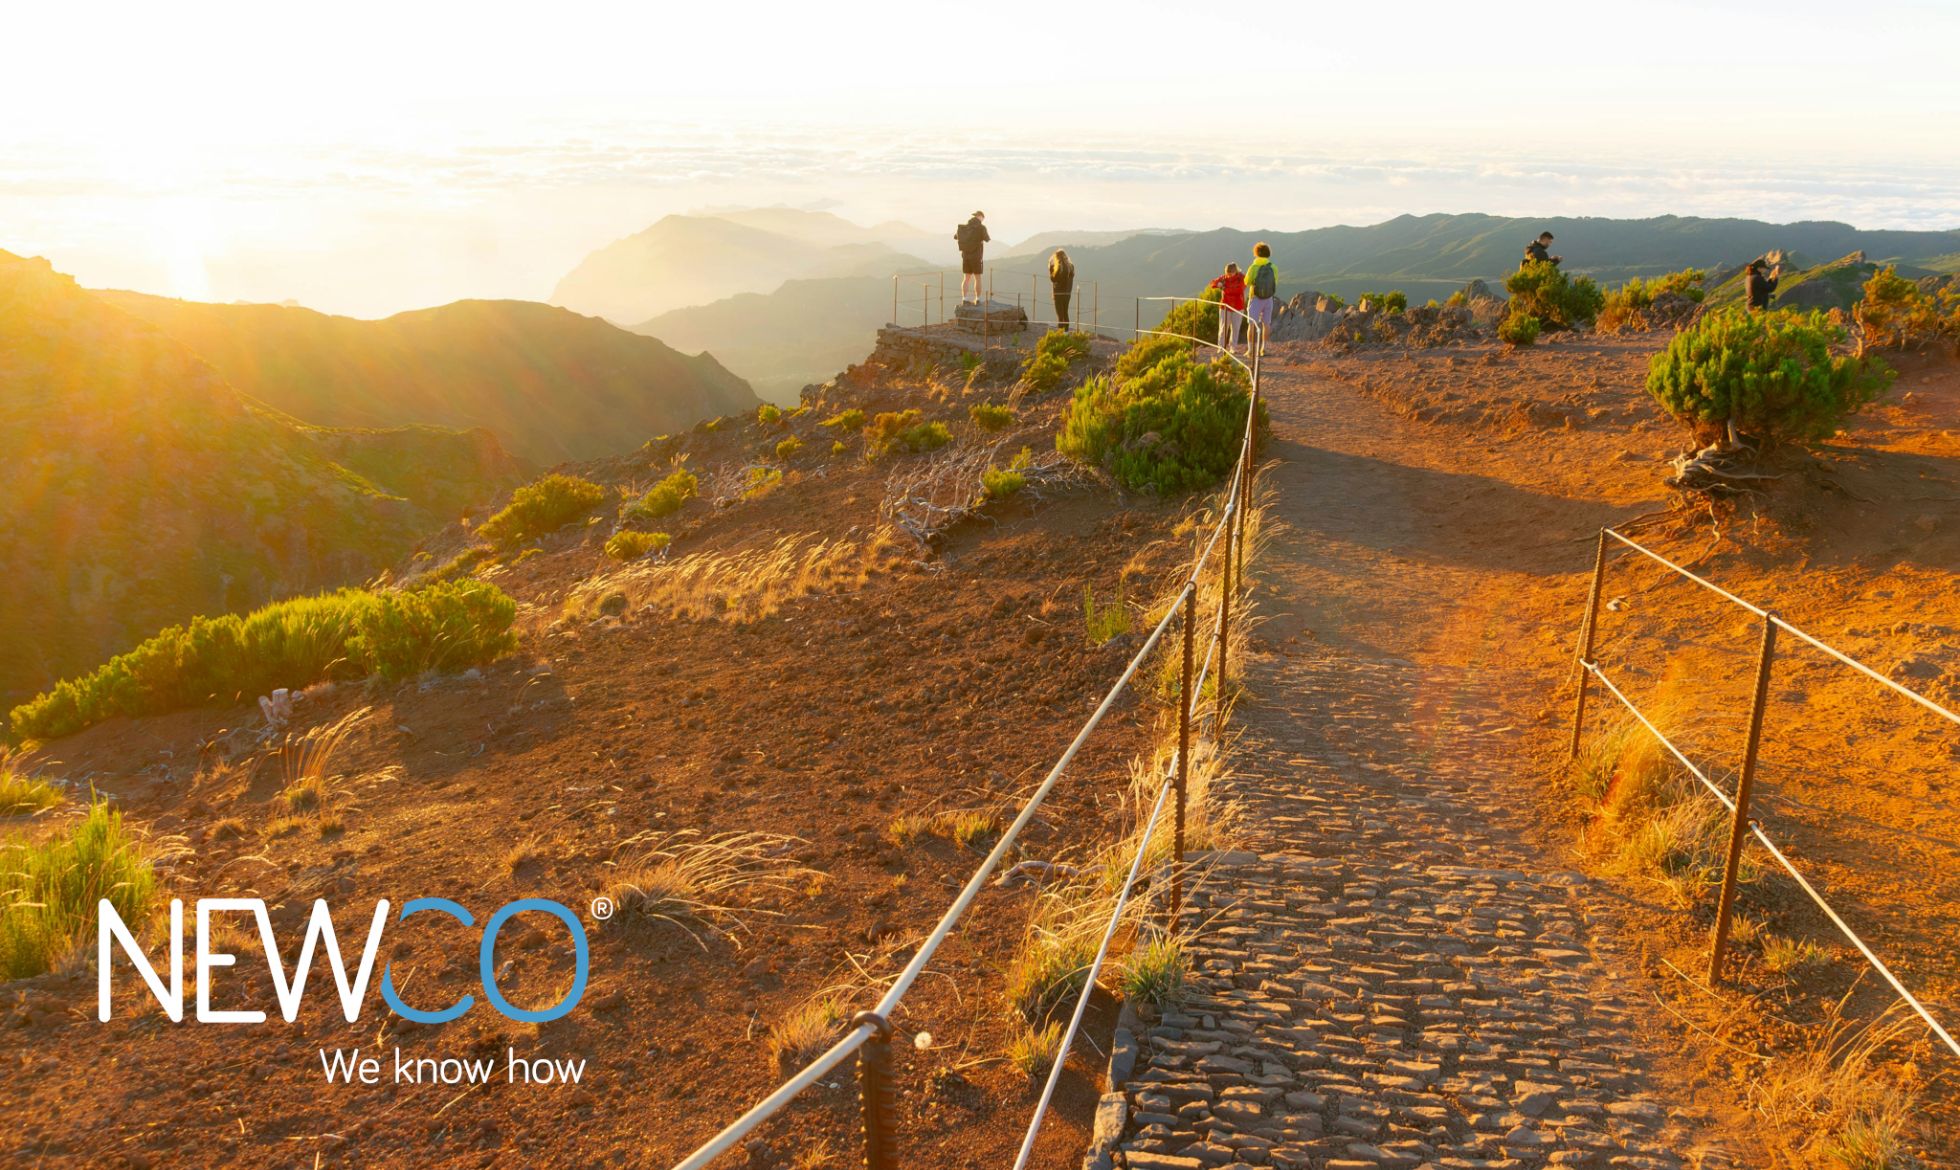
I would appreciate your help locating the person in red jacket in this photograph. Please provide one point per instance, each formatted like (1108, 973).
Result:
(1231, 310)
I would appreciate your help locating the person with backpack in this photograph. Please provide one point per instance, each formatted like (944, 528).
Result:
(1231, 307)
(1758, 286)
(972, 238)
(1539, 251)
(1262, 280)
(1061, 278)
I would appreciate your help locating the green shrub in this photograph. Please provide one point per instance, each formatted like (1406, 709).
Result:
(904, 432)
(631, 546)
(1518, 330)
(1000, 482)
(989, 417)
(1197, 319)
(1053, 357)
(1034, 1050)
(1458, 299)
(1895, 313)
(463, 563)
(446, 626)
(1334, 303)
(838, 447)
(768, 414)
(664, 498)
(540, 507)
(1623, 306)
(848, 420)
(349, 633)
(1543, 290)
(20, 795)
(1164, 422)
(49, 890)
(788, 447)
(1772, 376)
(760, 481)
(1388, 302)
(970, 363)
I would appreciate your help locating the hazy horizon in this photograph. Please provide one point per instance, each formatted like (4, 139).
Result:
(271, 155)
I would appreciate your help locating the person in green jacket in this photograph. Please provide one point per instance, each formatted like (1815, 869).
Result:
(1262, 282)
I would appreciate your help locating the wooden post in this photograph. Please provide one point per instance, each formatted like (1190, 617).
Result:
(1586, 647)
(1739, 825)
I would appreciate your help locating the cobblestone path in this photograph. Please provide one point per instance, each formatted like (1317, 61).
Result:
(1387, 976)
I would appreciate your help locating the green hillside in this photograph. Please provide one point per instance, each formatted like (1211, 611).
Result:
(143, 488)
(550, 384)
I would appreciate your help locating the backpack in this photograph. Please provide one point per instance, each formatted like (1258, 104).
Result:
(1265, 285)
(963, 235)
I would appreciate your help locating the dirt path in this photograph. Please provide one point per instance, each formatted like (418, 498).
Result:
(1397, 971)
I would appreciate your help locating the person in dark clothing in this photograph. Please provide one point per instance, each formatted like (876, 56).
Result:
(1759, 286)
(1539, 251)
(1061, 277)
(972, 238)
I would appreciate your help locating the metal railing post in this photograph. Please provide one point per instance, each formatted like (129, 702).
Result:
(1586, 647)
(894, 298)
(942, 297)
(1137, 329)
(1224, 621)
(1739, 827)
(1185, 701)
(880, 1099)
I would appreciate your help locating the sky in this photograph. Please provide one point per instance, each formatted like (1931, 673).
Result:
(366, 158)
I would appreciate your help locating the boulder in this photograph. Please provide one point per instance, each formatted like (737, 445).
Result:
(990, 317)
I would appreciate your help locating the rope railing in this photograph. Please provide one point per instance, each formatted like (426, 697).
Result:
(1742, 825)
(869, 1036)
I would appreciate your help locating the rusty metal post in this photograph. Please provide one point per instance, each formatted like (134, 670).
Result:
(894, 298)
(879, 1094)
(1245, 498)
(1586, 647)
(1185, 701)
(942, 296)
(1739, 826)
(1224, 627)
(1136, 330)
(925, 304)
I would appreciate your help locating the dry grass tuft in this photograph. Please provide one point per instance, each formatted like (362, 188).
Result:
(694, 882)
(523, 853)
(25, 795)
(311, 785)
(807, 1030)
(1647, 817)
(1834, 1103)
(1157, 973)
(741, 587)
(1034, 1049)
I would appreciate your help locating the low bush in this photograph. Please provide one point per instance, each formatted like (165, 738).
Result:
(838, 447)
(1895, 313)
(1543, 290)
(904, 432)
(1054, 356)
(542, 506)
(1770, 376)
(1163, 422)
(787, 448)
(997, 483)
(989, 417)
(1051, 968)
(49, 889)
(665, 498)
(807, 1030)
(847, 420)
(1197, 320)
(1388, 302)
(1518, 330)
(768, 414)
(348, 633)
(1627, 307)
(21, 795)
(631, 546)
(760, 481)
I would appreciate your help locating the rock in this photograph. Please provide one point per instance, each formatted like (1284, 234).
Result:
(990, 317)
(613, 604)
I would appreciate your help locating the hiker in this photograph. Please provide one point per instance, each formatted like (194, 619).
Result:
(972, 238)
(1262, 280)
(1231, 307)
(1061, 277)
(1760, 286)
(1538, 251)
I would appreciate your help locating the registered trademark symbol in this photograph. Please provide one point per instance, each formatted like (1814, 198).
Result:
(602, 908)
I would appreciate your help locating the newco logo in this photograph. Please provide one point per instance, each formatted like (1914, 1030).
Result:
(320, 933)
